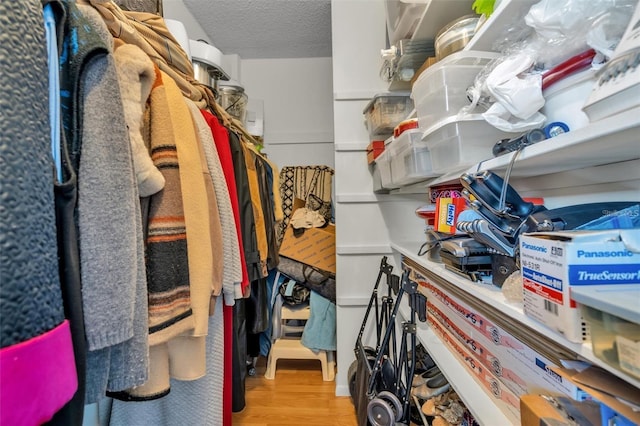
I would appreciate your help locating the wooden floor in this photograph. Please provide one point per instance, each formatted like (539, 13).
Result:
(297, 396)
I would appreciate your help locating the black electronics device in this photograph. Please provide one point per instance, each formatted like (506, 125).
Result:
(506, 216)
(506, 146)
(501, 268)
(467, 257)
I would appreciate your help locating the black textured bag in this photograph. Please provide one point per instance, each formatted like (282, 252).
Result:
(322, 282)
(296, 296)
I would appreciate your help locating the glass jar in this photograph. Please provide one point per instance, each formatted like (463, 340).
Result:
(233, 99)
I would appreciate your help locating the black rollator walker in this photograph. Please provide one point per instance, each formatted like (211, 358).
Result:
(380, 379)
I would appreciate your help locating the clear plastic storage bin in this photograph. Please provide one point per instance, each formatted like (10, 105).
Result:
(441, 90)
(410, 159)
(385, 111)
(456, 144)
(613, 316)
(383, 164)
(376, 179)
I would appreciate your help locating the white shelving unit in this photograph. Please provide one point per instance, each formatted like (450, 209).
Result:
(608, 141)
(598, 156)
(356, 44)
(611, 140)
(363, 249)
(493, 296)
(577, 149)
(363, 198)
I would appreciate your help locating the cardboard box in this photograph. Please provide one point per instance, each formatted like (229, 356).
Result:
(453, 190)
(315, 247)
(506, 400)
(519, 367)
(426, 64)
(535, 410)
(611, 391)
(552, 262)
(480, 349)
(516, 365)
(374, 149)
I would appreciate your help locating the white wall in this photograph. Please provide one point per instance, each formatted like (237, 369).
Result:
(175, 9)
(362, 236)
(297, 95)
(298, 108)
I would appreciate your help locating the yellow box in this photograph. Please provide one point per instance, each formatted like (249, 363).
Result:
(447, 211)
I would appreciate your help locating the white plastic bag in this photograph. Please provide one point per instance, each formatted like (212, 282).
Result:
(563, 27)
(517, 91)
(502, 119)
(558, 18)
(607, 30)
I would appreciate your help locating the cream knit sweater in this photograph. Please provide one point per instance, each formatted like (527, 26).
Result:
(232, 272)
(135, 77)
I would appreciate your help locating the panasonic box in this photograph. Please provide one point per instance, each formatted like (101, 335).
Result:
(553, 262)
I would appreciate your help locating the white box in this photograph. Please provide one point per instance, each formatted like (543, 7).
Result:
(552, 262)
(478, 347)
(518, 367)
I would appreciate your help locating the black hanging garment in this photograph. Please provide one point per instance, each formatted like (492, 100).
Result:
(66, 197)
(239, 356)
(266, 195)
(252, 259)
(247, 220)
(257, 308)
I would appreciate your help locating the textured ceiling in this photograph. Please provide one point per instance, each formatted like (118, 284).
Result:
(266, 28)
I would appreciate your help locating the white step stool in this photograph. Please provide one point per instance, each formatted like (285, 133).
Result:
(292, 348)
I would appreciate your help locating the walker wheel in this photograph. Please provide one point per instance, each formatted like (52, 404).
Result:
(380, 413)
(385, 409)
(395, 402)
